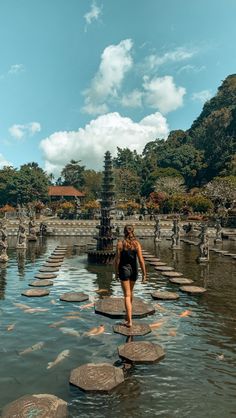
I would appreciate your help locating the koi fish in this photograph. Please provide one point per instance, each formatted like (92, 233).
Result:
(60, 357)
(71, 317)
(95, 331)
(56, 324)
(185, 313)
(70, 331)
(89, 305)
(156, 324)
(53, 302)
(22, 306)
(172, 333)
(33, 310)
(161, 308)
(34, 347)
(10, 327)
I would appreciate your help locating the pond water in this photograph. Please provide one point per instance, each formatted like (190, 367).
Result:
(197, 377)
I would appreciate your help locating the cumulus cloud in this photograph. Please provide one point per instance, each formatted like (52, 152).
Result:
(161, 93)
(104, 133)
(16, 69)
(154, 61)
(20, 131)
(4, 162)
(116, 61)
(93, 13)
(202, 96)
(132, 99)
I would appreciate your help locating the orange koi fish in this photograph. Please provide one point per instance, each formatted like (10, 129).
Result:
(185, 313)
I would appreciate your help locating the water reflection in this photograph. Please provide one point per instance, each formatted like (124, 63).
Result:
(3, 281)
(21, 256)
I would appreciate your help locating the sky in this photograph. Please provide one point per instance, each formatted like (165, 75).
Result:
(80, 77)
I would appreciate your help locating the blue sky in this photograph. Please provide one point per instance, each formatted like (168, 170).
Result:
(79, 77)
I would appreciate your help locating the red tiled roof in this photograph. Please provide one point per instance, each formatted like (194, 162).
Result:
(64, 191)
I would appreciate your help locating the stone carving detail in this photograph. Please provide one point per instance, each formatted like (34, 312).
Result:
(203, 244)
(3, 243)
(21, 236)
(175, 238)
(157, 229)
(218, 227)
(32, 230)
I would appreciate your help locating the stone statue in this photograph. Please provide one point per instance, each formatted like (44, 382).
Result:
(3, 244)
(176, 234)
(218, 227)
(203, 244)
(32, 230)
(21, 236)
(157, 229)
(43, 229)
(117, 231)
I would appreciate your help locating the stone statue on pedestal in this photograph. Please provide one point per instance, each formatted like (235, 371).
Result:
(32, 230)
(157, 229)
(203, 244)
(3, 244)
(218, 237)
(176, 234)
(21, 236)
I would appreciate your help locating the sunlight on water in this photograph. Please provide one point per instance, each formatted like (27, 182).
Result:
(200, 347)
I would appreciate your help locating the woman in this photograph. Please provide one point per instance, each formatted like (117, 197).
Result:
(127, 253)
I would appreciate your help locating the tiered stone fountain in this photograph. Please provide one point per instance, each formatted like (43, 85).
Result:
(105, 253)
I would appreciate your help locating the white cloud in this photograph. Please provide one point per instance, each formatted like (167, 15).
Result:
(202, 96)
(19, 131)
(93, 14)
(154, 61)
(132, 99)
(16, 69)
(116, 61)
(161, 93)
(104, 133)
(191, 68)
(3, 161)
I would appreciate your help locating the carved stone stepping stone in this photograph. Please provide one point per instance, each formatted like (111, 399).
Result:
(149, 257)
(181, 280)
(33, 293)
(228, 254)
(74, 297)
(58, 252)
(115, 308)
(101, 377)
(194, 290)
(48, 269)
(61, 247)
(171, 274)
(165, 295)
(49, 264)
(41, 406)
(56, 258)
(163, 268)
(39, 283)
(43, 276)
(136, 329)
(158, 263)
(141, 352)
(155, 261)
(54, 261)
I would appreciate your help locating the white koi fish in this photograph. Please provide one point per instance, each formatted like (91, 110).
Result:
(33, 310)
(10, 327)
(22, 306)
(34, 347)
(60, 357)
(70, 331)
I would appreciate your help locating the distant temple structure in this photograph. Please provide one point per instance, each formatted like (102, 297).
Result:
(64, 192)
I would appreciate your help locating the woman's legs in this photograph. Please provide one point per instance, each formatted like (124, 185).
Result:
(127, 286)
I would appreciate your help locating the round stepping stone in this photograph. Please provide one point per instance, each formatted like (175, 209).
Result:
(41, 405)
(223, 252)
(194, 290)
(74, 297)
(181, 280)
(35, 293)
(115, 308)
(141, 352)
(171, 274)
(38, 283)
(48, 269)
(53, 262)
(228, 255)
(49, 264)
(165, 295)
(59, 252)
(45, 276)
(158, 263)
(56, 258)
(136, 329)
(100, 377)
(155, 262)
(163, 268)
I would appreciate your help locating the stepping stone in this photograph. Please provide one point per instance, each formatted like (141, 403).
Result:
(49, 264)
(48, 269)
(228, 255)
(136, 329)
(41, 405)
(100, 377)
(141, 352)
(58, 252)
(115, 308)
(53, 262)
(181, 280)
(56, 259)
(35, 293)
(165, 295)
(194, 290)
(158, 263)
(151, 257)
(45, 276)
(171, 274)
(223, 252)
(155, 262)
(163, 268)
(74, 297)
(38, 283)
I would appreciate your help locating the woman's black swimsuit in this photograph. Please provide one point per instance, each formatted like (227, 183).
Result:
(128, 266)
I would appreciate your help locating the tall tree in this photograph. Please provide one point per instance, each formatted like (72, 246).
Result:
(73, 174)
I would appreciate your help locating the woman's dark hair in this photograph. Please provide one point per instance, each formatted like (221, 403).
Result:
(129, 235)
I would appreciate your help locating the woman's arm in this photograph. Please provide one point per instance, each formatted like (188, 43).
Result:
(117, 258)
(141, 262)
